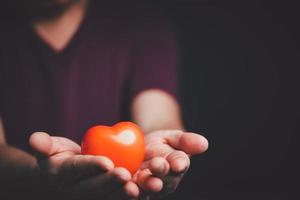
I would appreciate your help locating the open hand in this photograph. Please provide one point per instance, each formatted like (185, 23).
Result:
(74, 176)
(167, 160)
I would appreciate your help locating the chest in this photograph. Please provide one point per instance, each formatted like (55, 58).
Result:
(63, 93)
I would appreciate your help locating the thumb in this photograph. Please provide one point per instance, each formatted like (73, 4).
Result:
(46, 145)
(190, 143)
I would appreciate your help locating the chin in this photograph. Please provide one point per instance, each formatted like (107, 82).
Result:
(31, 10)
(43, 9)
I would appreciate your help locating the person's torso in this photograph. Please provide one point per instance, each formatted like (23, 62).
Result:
(65, 93)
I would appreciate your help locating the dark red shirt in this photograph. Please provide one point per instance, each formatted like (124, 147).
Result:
(114, 55)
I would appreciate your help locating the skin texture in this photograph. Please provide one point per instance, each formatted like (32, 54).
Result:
(167, 160)
(57, 159)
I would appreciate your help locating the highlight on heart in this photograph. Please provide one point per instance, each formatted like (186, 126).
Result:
(123, 143)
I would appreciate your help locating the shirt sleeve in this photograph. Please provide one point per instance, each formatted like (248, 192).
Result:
(155, 59)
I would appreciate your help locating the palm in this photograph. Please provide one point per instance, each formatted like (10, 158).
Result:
(157, 146)
(79, 176)
(167, 159)
(65, 152)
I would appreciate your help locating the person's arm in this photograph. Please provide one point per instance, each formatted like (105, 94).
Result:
(168, 147)
(155, 109)
(17, 168)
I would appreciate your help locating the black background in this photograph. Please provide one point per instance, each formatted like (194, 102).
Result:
(240, 88)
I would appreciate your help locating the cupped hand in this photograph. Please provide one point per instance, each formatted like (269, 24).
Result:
(167, 160)
(74, 176)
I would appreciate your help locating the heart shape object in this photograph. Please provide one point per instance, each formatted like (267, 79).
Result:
(123, 143)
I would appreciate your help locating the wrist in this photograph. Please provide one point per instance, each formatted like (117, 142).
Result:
(18, 170)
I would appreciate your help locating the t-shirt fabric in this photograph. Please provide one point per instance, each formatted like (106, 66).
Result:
(114, 55)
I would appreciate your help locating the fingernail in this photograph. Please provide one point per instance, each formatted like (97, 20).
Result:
(205, 143)
(181, 165)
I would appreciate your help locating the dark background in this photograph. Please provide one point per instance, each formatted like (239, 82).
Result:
(240, 88)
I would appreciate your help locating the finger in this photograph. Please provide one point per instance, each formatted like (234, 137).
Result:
(129, 191)
(47, 146)
(148, 183)
(179, 161)
(190, 143)
(79, 167)
(101, 186)
(158, 166)
(173, 178)
(171, 182)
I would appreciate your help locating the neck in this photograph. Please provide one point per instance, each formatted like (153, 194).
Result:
(58, 31)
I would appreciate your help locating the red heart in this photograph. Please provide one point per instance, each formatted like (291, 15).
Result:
(123, 143)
